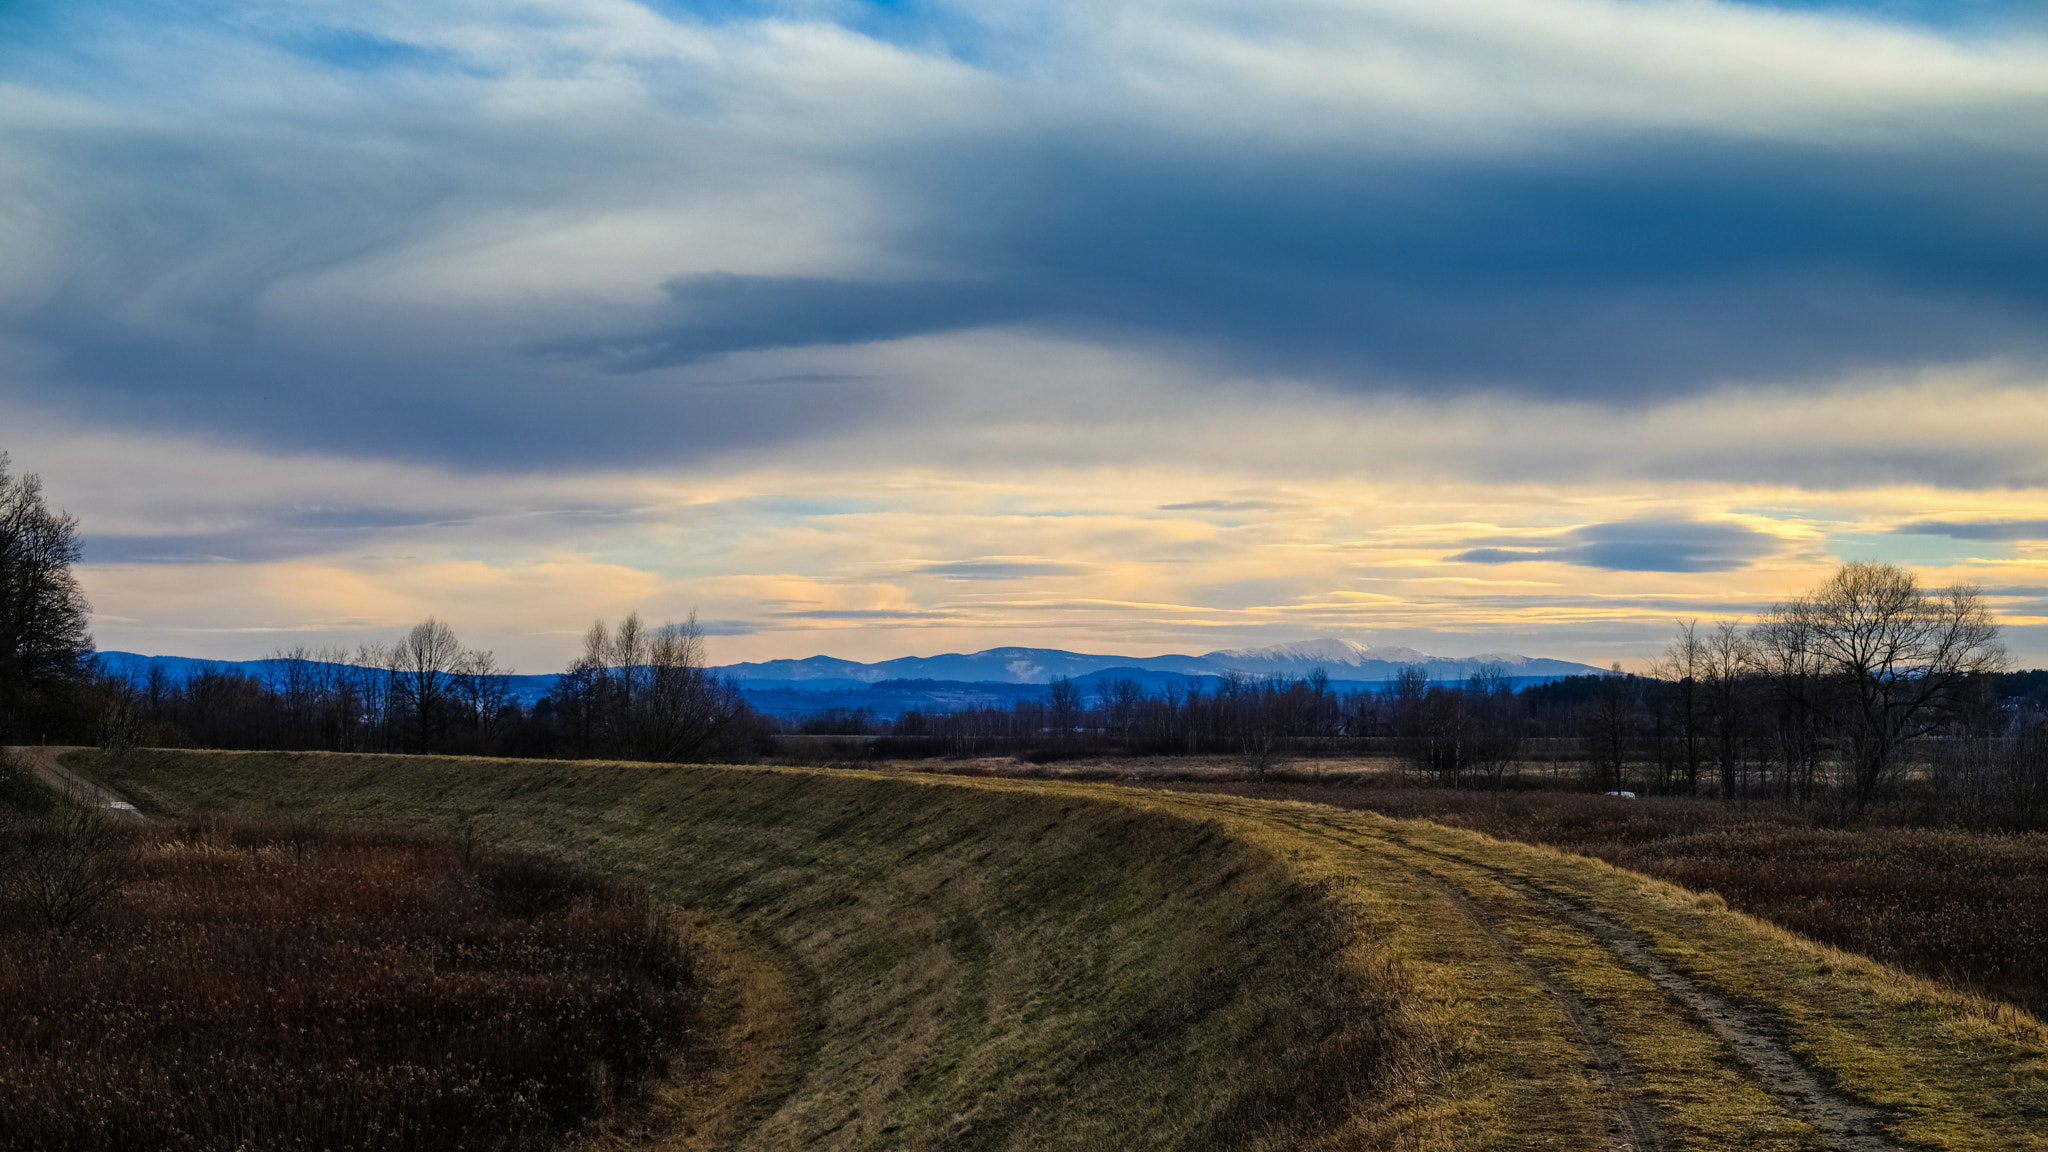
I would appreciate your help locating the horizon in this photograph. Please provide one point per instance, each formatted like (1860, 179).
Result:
(315, 653)
(874, 328)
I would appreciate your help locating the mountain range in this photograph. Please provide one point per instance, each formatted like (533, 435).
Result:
(1345, 660)
(998, 676)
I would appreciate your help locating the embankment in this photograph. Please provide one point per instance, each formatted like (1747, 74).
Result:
(977, 966)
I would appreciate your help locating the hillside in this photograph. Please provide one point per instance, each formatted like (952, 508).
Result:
(1343, 660)
(1009, 964)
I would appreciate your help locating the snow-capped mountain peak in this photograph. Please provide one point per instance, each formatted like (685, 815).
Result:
(1328, 650)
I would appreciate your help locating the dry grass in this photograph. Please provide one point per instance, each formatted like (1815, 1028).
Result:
(993, 966)
(1026, 964)
(1968, 908)
(270, 984)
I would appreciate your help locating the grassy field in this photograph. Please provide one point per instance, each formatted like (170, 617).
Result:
(970, 963)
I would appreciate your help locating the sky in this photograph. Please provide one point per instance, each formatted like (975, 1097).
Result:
(879, 329)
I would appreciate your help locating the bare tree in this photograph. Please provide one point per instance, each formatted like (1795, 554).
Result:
(423, 668)
(645, 693)
(1683, 664)
(482, 687)
(685, 709)
(1881, 659)
(1724, 664)
(1063, 697)
(45, 647)
(1495, 722)
(1614, 720)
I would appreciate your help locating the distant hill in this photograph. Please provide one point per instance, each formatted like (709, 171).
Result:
(998, 676)
(524, 689)
(1342, 659)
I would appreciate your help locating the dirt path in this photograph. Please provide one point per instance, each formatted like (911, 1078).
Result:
(1633, 1123)
(1844, 1124)
(1752, 1038)
(43, 763)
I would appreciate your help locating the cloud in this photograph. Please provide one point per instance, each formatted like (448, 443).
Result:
(898, 614)
(1001, 569)
(450, 233)
(1217, 506)
(1642, 546)
(1978, 529)
(715, 628)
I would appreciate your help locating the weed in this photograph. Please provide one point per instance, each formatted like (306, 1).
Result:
(275, 985)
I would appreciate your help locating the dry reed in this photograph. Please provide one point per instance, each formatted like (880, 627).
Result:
(272, 985)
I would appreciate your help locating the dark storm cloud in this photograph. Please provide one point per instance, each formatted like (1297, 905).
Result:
(475, 411)
(1637, 546)
(1629, 273)
(1546, 254)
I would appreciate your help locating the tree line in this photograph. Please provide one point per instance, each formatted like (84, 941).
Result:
(1869, 689)
(634, 692)
(637, 693)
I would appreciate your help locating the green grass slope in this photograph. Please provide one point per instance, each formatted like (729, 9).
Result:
(1008, 967)
(985, 964)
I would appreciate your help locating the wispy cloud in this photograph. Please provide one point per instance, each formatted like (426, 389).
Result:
(1180, 319)
(1978, 529)
(1638, 546)
(1001, 569)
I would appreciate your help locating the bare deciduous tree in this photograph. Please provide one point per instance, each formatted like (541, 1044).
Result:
(1880, 659)
(645, 694)
(1494, 721)
(423, 668)
(44, 643)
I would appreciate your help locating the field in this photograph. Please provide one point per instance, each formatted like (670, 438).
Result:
(274, 984)
(985, 963)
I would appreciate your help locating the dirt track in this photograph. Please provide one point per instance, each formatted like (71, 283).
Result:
(1841, 1123)
(88, 792)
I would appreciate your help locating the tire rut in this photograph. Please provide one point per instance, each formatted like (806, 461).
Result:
(1844, 1124)
(1631, 1121)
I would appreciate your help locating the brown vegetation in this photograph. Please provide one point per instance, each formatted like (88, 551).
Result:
(272, 985)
